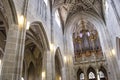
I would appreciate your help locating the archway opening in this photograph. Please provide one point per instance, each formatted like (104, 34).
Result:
(57, 69)
(32, 53)
(35, 45)
(80, 75)
(91, 74)
(58, 65)
(103, 73)
(3, 36)
(31, 72)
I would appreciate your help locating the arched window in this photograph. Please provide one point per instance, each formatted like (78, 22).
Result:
(101, 74)
(58, 65)
(82, 76)
(91, 75)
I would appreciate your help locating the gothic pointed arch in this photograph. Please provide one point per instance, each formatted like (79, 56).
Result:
(31, 71)
(59, 55)
(58, 64)
(36, 43)
(91, 74)
(103, 73)
(8, 17)
(10, 11)
(37, 30)
(80, 74)
(92, 18)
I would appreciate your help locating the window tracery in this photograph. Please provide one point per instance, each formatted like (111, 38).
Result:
(91, 75)
(82, 76)
(101, 74)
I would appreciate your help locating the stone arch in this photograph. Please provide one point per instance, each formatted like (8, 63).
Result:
(30, 63)
(79, 72)
(104, 71)
(91, 66)
(59, 64)
(90, 69)
(94, 19)
(3, 33)
(55, 7)
(42, 44)
(103, 34)
(42, 32)
(60, 57)
(10, 11)
(8, 17)
(36, 44)
(31, 71)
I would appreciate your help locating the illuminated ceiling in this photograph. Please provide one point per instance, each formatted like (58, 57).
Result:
(67, 8)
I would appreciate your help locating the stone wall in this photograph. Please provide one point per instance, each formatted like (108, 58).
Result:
(38, 11)
(113, 26)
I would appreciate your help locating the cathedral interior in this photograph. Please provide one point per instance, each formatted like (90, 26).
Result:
(59, 40)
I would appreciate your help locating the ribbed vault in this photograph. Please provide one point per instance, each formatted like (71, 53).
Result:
(67, 8)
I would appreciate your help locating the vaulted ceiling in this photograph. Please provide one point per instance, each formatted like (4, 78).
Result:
(3, 30)
(67, 8)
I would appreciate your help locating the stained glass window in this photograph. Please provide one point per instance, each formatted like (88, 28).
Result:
(101, 74)
(82, 76)
(91, 75)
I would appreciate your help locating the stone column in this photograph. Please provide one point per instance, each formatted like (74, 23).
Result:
(85, 72)
(47, 65)
(63, 70)
(97, 74)
(53, 66)
(9, 59)
(85, 76)
(26, 72)
(69, 68)
(13, 58)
